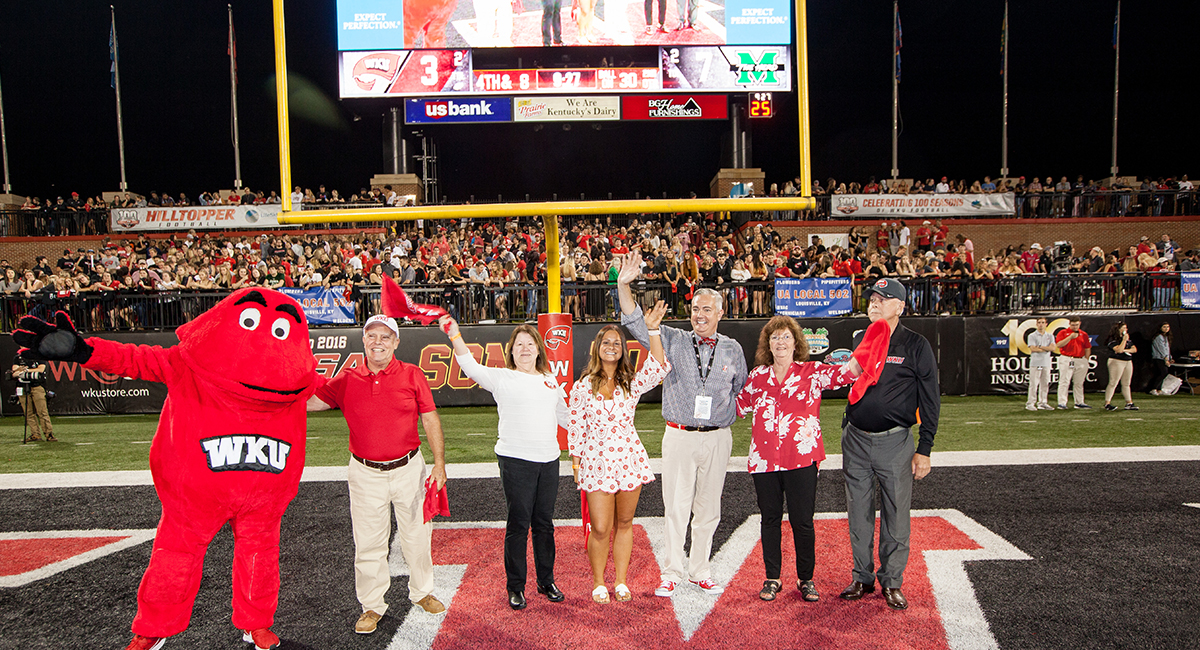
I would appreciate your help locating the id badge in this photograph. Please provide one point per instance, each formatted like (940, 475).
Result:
(703, 407)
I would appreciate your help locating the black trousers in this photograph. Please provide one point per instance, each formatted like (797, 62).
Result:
(552, 22)
(800, 487)
(530, 490)
(1161, 370)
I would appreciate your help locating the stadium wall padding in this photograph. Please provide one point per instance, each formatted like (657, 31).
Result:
(976, 356)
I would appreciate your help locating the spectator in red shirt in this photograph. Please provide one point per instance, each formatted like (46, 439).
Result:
(1075, 348)
(924, 236)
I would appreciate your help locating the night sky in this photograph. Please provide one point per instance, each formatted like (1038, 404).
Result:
(61, 118)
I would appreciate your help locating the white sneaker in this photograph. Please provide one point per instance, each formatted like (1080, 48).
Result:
(1045, 407)
(708, 585)
(666, 589)
(1030, 407)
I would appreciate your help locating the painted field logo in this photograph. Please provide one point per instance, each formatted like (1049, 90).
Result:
(558, 336)
(126, 218)
(818, 341)
(761, 72)
(943, 612)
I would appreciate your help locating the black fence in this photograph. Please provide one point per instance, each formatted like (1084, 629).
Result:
(97, 311)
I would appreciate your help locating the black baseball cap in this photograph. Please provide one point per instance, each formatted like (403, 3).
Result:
(887, 288)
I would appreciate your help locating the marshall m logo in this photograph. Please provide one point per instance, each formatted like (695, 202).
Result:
(246, 454)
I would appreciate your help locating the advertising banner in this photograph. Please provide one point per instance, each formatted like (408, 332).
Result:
(196, 217)
(869, 206)
(812, 297)
(726, 69)
(460, 111)
(674, 107)
(404, 72)
(567, 109)
(976, 356)
(323, 306)
(407, 24)
(1189, 289)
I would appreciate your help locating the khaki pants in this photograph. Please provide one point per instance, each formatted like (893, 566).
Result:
(1120, 371)
(693, 477)
(33, 403)
(371, 492)
(1039, 386)
(1071, 372)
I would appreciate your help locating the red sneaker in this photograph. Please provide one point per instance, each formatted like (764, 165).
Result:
(140, 642)
(263, 638)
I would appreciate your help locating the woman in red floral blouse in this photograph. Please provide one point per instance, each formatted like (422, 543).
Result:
(784, 393)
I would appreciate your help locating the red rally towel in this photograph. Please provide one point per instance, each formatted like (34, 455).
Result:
(436, 501)
(397, 304)
(587, 517)
(871, 354)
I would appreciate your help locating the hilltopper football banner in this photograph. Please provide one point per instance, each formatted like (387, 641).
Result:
(812, 297)
(921, 205)
(197, 217)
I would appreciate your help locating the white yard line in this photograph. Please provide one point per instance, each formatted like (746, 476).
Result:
(736, 464)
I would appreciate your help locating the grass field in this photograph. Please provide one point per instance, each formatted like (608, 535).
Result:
(97, 443)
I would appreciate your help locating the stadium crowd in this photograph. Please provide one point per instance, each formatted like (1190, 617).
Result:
(1033, 198)
(496, 269)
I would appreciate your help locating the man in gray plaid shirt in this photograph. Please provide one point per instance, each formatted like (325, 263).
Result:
(698, 403)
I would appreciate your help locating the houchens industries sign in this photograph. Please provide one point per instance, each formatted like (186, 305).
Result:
(194, 217)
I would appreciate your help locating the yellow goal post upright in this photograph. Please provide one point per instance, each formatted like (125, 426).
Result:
(549, 211)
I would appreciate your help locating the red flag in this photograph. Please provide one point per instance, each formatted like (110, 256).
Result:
(871, 354)
(436, 501)
(397, 304)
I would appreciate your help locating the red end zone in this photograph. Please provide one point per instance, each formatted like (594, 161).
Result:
(479, 615)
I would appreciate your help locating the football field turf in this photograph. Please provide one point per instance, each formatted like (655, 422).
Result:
(106, 443)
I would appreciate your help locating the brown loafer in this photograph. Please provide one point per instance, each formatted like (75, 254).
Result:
(808, 590)
(857, 590)
(895, 599)
(367, 623)
(770, 589)
(431, 604)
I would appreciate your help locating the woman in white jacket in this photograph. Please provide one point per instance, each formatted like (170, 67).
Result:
(531, 407)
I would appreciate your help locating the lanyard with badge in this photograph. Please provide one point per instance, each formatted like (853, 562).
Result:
(703, 409)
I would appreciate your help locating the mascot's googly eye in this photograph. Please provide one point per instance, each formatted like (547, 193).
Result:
(280, 328)
(249, 318)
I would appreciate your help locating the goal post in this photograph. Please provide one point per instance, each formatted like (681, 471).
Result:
(549, 211)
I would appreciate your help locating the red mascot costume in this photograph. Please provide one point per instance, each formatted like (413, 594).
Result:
(229, 447)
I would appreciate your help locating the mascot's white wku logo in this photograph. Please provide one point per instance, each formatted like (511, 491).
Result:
(246, 454)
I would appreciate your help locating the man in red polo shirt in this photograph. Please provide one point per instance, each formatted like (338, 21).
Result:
(382, 402)
(1074, 348)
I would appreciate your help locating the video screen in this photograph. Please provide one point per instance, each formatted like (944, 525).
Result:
(455, 24)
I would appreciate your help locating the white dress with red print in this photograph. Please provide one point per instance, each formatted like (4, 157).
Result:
(602, 435)
(787, 416)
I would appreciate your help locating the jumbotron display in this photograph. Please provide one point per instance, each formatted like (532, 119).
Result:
(450, 24)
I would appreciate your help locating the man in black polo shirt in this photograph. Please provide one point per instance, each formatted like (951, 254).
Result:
(877, 445)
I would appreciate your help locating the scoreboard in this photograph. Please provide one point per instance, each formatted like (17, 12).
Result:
(424, 73)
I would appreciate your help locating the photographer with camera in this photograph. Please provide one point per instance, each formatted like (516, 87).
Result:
(31, 395)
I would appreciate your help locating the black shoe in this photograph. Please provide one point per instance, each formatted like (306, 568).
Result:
(895, 599)
(552, 592)
(1082, 406)
(857, 590)
(770, 590)
(516, 599)
(1131, 407)
(808, 590)
(1109, 407)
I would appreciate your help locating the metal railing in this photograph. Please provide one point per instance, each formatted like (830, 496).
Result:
(597, 301)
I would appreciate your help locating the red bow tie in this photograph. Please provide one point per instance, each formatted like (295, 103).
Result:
(710, 342)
